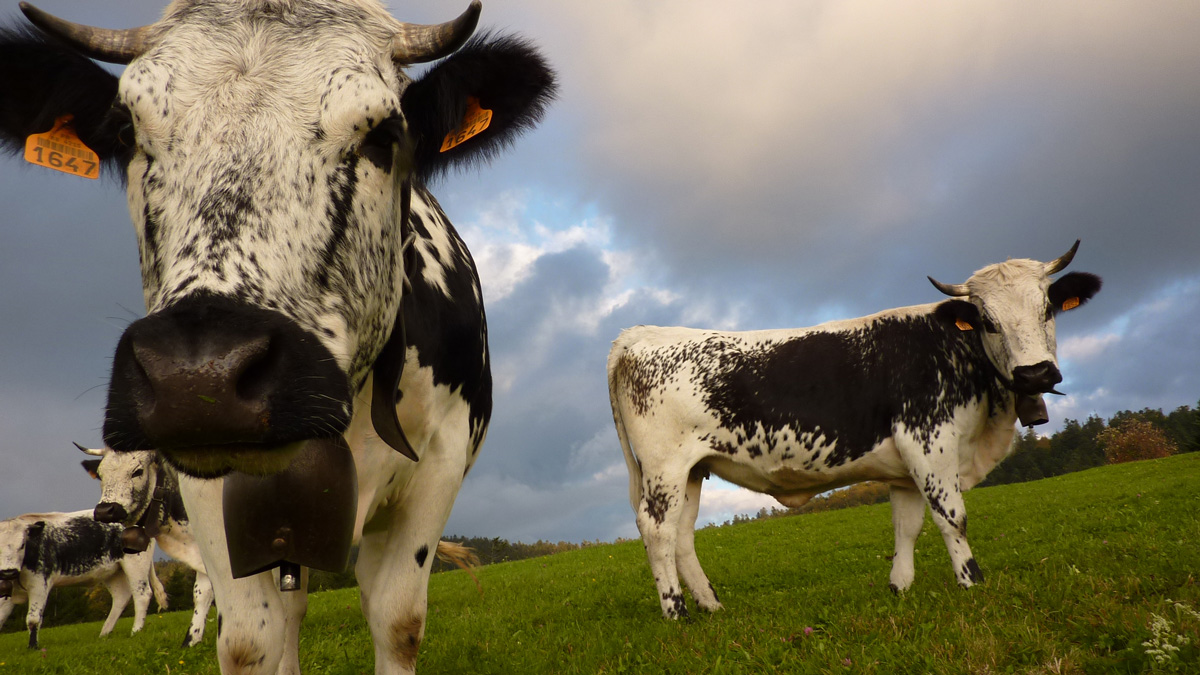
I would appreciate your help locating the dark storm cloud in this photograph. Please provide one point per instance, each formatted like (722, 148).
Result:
(778, 166)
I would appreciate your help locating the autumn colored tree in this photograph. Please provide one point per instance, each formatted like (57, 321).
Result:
(1134, 439)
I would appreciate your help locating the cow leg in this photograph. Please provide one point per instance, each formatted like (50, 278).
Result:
(935, 472)
(253, 616)
(295, 606)
(658, 519)
(685, 547)
(38, 589)
(398, 546)
(6, 608)
(202, 599)
(908, 515)
(138, 572)
(118, 588)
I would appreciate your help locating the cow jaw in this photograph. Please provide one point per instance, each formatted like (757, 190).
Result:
(250, 458)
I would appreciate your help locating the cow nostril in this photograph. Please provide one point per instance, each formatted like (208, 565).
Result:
(259, 371)
(9, 574)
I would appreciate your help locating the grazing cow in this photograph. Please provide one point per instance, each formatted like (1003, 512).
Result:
(137, 488)
(39, 551)
(923, 398)
(275, 154)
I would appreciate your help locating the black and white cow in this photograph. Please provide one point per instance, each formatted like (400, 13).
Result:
(275, 154)
(39, 551)
(138, 488)
(924, 398)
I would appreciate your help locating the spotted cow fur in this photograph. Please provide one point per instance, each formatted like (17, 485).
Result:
(905, 396)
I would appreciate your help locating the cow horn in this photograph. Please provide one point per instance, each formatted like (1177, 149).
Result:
(102, 44)
(953, 290)
(98, 452)
(418, 43)
(1064, 260)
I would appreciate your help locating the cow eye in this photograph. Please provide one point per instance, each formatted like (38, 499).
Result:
(988, 325)
(137, 473)
(379, 143)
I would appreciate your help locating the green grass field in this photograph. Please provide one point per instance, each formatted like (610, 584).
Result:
(1075, 568)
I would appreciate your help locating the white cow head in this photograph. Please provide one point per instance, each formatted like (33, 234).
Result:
(269, 148)
(1013, 305)
(127, 483)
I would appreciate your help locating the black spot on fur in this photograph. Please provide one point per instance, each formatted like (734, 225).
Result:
(973, 572)
(850, 387)
(421, 555)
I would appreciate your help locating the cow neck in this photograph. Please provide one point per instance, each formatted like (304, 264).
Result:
(151, 520)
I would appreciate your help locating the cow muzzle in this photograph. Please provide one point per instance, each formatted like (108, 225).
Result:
(109, 512)
(1039, 378)
(217, 385)
(7, 577)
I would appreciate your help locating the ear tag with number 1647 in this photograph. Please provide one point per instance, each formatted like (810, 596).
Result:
(60, 149)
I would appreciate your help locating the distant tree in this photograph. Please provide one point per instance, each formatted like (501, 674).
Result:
(1183, 427)
(1135, 439)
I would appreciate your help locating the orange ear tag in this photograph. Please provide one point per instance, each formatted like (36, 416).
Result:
(963, 325)
(475, 120)
(60, 149)
(1070, 303)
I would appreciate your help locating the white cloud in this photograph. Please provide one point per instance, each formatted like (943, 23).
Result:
(721, 501)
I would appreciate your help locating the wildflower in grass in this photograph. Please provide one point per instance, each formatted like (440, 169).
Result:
(1164, 644)
(808, 630)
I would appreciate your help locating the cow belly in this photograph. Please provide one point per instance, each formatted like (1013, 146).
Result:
(793, 484)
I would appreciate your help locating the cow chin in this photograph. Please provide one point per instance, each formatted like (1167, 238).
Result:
(249, 458)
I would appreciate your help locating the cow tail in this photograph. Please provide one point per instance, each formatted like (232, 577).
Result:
(631, 461)
(462, 557)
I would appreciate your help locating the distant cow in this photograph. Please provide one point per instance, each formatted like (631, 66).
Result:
(923, 398)
(39, 551)
(137, 488)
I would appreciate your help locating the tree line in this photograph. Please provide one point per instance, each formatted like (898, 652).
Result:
(1126, 436)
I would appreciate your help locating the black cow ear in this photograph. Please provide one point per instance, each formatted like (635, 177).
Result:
(958, 313)
(36, 528)
(44, 80)
(92, 466)
(473, 104)
(1073, 290)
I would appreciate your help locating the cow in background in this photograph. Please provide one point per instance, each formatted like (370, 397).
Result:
(924, 398)
(39, 551)
(276, 155)
(137, 488)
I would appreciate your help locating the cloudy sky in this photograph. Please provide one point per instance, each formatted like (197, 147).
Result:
(717, 167)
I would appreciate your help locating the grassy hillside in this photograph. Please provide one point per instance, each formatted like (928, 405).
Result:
(1075, 567)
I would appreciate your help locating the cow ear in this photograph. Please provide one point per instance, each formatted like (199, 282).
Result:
(473, 104)
(1073, 290)
(959, 314)
(42, 81)
(92, 466)
(35, 529)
